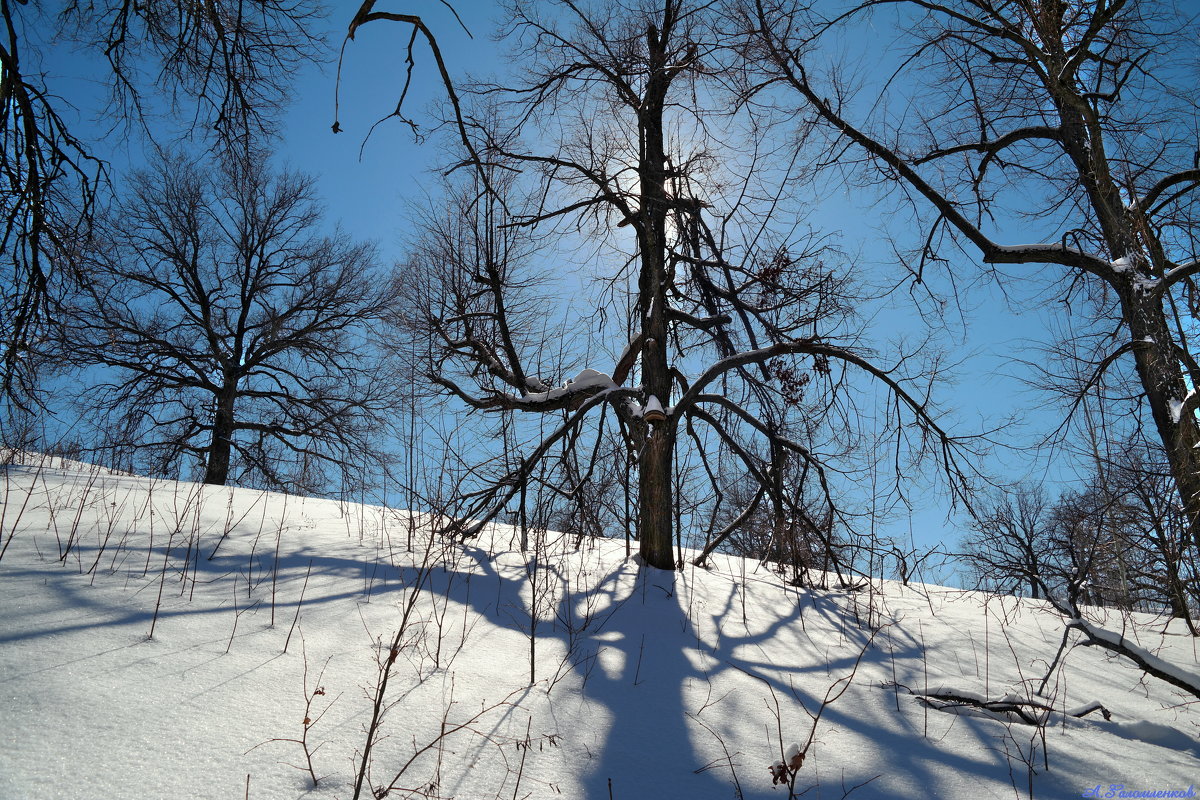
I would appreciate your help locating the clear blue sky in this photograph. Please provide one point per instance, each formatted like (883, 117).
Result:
(369, 195)
(367, 186)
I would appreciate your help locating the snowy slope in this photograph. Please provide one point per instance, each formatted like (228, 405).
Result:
(644, 685)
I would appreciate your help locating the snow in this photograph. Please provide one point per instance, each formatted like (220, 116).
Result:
(586, 381)
(1141, 283)
(1183, 269)
(1144, 285)
(1140, 730)
(1189, 675)
(658, 684)
(965, 694)
(42, 461)
(589, 378)
(1176, 406)
(1081, 710)
(653, 407)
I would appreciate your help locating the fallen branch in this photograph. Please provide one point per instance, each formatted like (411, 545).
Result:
(1030, 712)
(1148, 662)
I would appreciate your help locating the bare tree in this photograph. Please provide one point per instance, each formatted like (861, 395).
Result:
(225, 67)
(1161, 568)
(1009, 549)
(230, 331)
(724, 323)
(1062, 121)
(1148, 558)
(1088, 531)
(1089, 553)
(1077, 545)
(798, 544)
(1120, 541)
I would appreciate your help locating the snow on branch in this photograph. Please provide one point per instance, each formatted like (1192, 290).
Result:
(1025, 710)
(1042, 253)
(1177, 274)
(489, 503)
(586, 385)
(1191, 177)
(1150, 663)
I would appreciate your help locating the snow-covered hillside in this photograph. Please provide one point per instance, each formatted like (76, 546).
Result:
(160, 640)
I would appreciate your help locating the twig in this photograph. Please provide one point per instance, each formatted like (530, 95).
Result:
(298, 605)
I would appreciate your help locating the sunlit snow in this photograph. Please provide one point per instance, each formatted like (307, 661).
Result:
(565, 672)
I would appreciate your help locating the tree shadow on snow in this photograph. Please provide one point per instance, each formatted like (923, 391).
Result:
(662, 693)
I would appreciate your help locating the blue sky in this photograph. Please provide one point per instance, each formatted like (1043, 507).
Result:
(369, 193)
(369, 184)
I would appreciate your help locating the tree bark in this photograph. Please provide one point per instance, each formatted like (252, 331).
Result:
(1165, 390)
(655, 517)
(656, 501)
(216, 470)
(1150, 335)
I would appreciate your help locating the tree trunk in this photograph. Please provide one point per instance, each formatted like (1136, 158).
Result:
(656, 501)
(1177, 595)
(1128, 237)
(656, 496)
(216, 471)
(1165, 391)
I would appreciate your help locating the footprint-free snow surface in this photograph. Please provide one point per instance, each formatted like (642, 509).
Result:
(167, 640)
